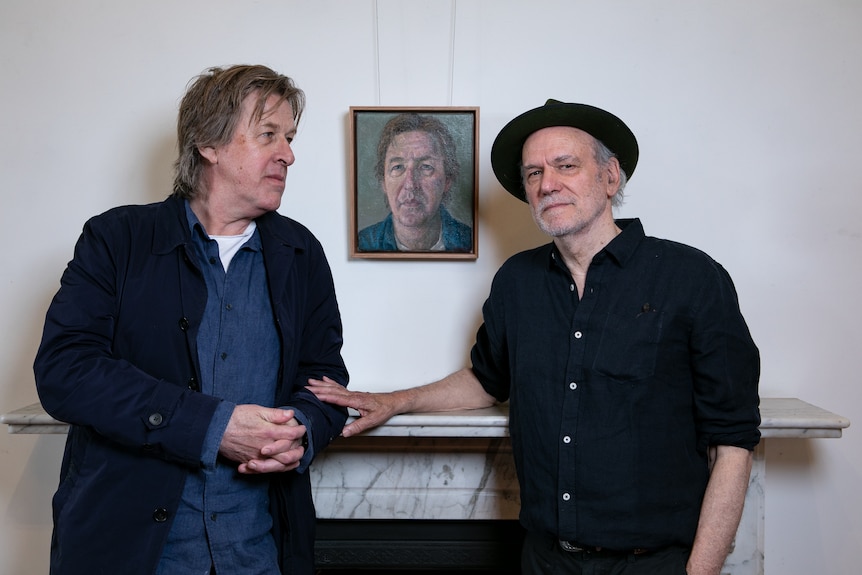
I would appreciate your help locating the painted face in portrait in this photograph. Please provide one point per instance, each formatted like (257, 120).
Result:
(414, 180)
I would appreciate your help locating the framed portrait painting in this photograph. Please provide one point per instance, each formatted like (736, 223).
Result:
(414, 176)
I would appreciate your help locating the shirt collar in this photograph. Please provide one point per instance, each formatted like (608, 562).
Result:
(196, 228)
(624, 245)
(620, 248)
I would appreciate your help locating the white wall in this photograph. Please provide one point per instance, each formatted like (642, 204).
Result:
(747, 115)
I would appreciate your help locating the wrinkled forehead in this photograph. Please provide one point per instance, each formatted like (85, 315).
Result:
(415, 142)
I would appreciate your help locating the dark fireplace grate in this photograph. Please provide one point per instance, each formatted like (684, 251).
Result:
(423, 546)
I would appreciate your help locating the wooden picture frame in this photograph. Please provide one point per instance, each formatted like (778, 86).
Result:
(435, 193)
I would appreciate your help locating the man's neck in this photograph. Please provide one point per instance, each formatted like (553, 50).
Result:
(578, 250)
(419, 238)
(217, 219)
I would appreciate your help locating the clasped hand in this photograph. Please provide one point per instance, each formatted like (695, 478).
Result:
(263, 439)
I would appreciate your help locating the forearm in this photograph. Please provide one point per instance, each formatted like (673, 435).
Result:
(460, 390)
(721, 509)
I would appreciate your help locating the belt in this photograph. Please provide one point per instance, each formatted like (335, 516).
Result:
(573, 547)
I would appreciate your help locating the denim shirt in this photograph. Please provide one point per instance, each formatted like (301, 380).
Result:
(380, 237)
(223, 520)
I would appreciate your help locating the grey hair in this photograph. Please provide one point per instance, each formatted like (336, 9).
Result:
(603, 155)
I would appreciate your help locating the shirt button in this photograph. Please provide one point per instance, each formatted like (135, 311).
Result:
(571, 287)
(573, 386)
(567, 439)
(155, 419)
(566, 496)
(578, 335)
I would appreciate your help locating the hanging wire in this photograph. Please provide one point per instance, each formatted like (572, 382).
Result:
(377, 50)
(452, 52)
(454, 5)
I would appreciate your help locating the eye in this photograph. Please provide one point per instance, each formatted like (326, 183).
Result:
(427, 169)
(396, 169)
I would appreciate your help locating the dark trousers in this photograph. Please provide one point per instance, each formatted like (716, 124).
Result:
(544, 556)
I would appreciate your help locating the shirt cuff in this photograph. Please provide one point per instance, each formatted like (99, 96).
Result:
(214, 435)
(309, 451)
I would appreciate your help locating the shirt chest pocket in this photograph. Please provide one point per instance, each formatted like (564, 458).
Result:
(629, 345)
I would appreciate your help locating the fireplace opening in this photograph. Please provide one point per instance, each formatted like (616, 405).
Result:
(418, 546)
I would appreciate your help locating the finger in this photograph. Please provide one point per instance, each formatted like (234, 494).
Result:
(359, 425)
(335, 399)
(260, 466)
(281, 446)
(277, 415)
(318, 387)
(325, 383)
(289, 457)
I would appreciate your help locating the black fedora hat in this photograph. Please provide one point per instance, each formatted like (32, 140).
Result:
(602, 125)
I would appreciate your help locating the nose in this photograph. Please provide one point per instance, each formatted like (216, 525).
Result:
(548, 183)
(285, 153)
(410, 178)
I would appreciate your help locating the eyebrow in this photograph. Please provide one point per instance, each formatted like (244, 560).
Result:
(275, 127)
(558, 160)
(419, 159)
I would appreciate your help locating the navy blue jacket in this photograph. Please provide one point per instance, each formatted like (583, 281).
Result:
(118, 361)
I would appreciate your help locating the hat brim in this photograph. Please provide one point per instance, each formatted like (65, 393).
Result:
(602, 125)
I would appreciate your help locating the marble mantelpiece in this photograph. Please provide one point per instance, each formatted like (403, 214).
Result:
(781, 417)
(458, 466)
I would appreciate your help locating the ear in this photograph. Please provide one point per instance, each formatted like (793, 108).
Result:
(208, 153)
(612, 176)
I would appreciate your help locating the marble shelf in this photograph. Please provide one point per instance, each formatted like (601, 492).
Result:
(781, 417)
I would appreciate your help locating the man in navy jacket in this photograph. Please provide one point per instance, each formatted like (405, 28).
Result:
(179, 347)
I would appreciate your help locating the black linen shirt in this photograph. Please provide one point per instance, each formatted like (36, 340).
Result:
(616, 397)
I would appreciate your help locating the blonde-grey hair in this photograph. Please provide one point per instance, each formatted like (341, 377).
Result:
(211, 108)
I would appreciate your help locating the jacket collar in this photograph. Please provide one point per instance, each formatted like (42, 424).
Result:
(172, 230)
(171, 226)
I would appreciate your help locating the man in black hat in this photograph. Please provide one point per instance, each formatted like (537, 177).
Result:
(631, 374)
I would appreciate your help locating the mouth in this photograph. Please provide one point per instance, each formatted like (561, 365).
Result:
(411, 204)
(550, 207)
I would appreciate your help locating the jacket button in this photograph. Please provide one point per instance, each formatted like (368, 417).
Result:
(160, 515)
(184, 323)
(155, 419)
(193, 384)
